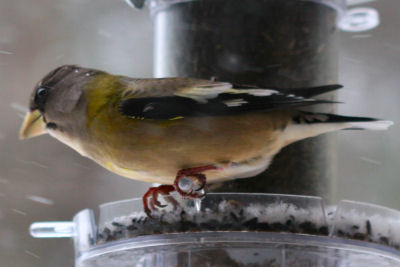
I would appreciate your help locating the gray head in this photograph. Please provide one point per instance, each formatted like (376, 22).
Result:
(57, 102)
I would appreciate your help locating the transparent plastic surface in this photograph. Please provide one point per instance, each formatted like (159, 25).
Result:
(239, 249)
(353, 20)
(360, 19)
(52, 229)
(246, 230)
(216, 212)
(367, 222)
(230, 229)
(268, 43)
(157, 5)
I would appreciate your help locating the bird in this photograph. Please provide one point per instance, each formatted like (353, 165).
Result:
(182, 133)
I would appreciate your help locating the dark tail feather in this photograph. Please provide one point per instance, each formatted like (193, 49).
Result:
(354, 123)
(311, 91)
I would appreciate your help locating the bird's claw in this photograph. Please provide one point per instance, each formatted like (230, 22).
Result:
(201, 187)
(151, 202)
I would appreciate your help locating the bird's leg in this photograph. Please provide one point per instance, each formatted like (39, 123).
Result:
(190, 182)
(153, 203)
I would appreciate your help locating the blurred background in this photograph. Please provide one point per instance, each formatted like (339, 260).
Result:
(43, 180)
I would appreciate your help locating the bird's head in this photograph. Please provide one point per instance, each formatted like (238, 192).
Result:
(57, 103)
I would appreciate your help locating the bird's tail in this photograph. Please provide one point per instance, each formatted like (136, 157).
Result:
(377, 125)
(347, 122)
(307, 124)
(308, 92)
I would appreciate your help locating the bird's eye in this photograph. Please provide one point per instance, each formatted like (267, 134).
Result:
(41, 96)
(51, 126)
(42, 92)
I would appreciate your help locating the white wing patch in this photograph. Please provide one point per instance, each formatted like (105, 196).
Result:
(261, 92)
(254, 92)
(298, 97)
(201, 93)
(235, 102)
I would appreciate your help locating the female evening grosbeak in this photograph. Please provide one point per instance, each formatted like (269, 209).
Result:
(176, 131)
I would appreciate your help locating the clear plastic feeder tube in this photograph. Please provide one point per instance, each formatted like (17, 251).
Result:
(268, 43)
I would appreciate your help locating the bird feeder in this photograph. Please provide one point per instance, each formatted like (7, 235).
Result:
(232, 229)
(271, 44)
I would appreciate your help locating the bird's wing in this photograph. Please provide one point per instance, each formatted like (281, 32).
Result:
(172, 98)
(193, 88)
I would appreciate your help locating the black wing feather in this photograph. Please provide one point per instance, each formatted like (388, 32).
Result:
(158, 107)
(226, 103)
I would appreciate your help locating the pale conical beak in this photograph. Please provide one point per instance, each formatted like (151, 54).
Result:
(33, 125)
